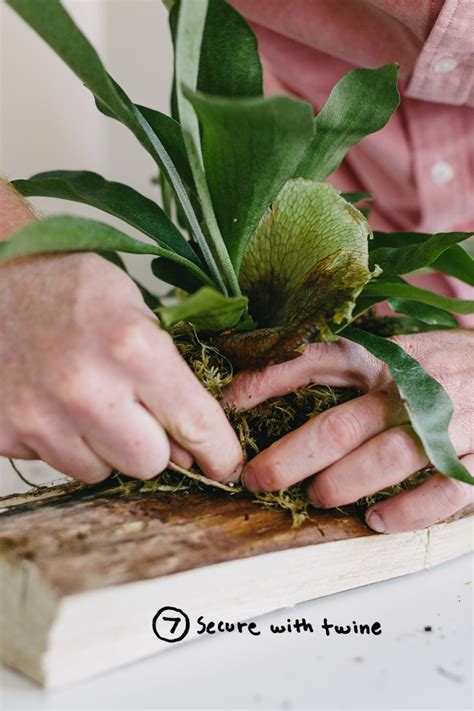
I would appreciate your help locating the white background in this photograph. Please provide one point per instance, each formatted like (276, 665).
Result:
(404, 668)
(49, 121)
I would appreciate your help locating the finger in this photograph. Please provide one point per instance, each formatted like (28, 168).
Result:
(178, 455)
(45, 432)
(11, 445)
(436, 499)
(20, 451)
(322, 441)
(385, 460)
(128, 438)
(73, 457)
(188, 413)
(17, 450)
(341, 364)
(116, 427)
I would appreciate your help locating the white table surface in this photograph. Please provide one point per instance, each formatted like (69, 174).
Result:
(405, 667)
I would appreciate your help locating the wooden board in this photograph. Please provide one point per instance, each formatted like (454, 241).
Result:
(110, 561)
(92, 539)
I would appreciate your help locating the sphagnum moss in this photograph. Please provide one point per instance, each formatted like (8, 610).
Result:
(256, 428)
(260, 426)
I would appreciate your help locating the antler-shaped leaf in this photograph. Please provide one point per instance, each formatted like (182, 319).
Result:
(115, 199)
(302, 271)
(360, 103)
(64, 233)
(51, 21)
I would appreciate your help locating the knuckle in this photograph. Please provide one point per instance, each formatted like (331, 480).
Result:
(30, 433)
(315, 351)
(453, 494)
(263, 380)
(398, 449)
(29, 424)
(341, 428)
(195, 431)
(326, 491)
(88, 262)
(74, 388)
(131, 345)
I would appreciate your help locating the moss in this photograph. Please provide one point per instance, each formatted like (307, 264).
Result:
(258, 427)
(292, 500)
(212, 369)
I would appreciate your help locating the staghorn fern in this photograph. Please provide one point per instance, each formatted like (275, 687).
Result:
(274, 257)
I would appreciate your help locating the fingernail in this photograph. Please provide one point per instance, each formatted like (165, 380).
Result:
(249, 480)
(375, 521)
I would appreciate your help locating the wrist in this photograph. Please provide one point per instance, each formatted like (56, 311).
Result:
(14, 211)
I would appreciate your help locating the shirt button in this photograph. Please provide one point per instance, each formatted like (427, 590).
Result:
(445, 65)
(442, 172)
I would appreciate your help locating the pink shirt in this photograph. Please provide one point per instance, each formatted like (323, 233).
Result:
(420, 166)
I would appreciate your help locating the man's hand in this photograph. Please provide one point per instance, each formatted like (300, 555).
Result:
(366, 444)
(89, 382)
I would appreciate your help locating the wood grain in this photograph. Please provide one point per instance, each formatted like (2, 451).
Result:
(95, 538)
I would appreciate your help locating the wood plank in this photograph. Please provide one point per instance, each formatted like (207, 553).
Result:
(94, 539)
(84, 572)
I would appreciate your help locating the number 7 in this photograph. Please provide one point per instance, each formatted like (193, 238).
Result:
(175, 620)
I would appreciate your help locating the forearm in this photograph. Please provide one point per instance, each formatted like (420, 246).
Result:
(14, 211)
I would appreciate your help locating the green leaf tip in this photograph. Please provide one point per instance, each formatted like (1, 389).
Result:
(427, 403)
(362, 102)
(426, 313)
(113, 198)
(395, 287)
(405, 252)
(207, 310)
(52, 22)
(64, 233)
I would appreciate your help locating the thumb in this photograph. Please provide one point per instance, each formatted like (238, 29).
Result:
(340, 364)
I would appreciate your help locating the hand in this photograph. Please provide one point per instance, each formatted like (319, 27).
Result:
(89, 382)
(366, 444)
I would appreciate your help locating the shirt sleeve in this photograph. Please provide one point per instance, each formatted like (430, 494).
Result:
(444, 70)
